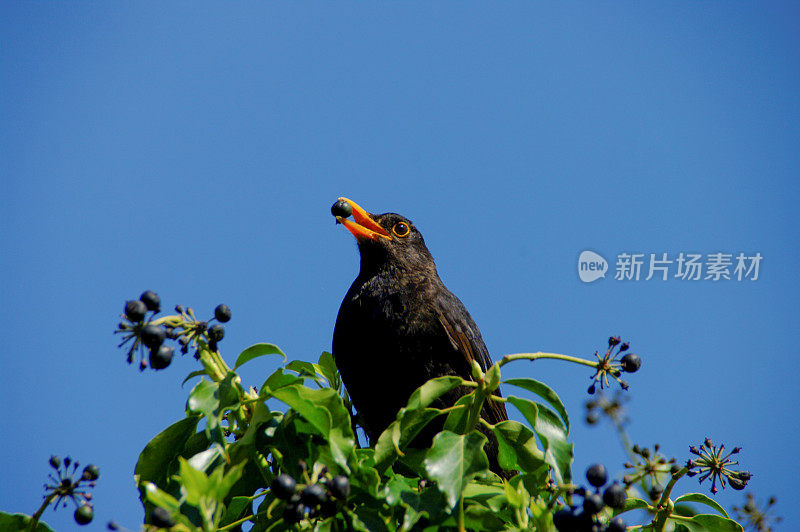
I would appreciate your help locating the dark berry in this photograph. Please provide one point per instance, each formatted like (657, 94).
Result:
(615, 496)
(340, 487)
(616, 525)
(84, 514)
(283, 486)
(293, 513)
(160, 358)
(112, 525)
(341, 209)
(153, 335)
(151, 300)
(624, 347)
(135, 310)
(216, 332)
(91, 472)
(596, 475)
(160, 518)
(612, 341)
(736, 483)
(222, 313)
(655, 493)
(631, 362)
(592, 504)
(564, 520)
(313, 494)
(55, 462)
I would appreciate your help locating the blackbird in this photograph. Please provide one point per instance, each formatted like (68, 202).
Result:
(399, 327)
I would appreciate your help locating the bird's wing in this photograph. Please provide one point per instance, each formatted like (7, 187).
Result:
(466, 339)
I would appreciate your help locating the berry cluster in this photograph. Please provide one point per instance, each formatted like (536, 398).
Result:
(585, 518)
(321, 496)
(758, 519)
(67, 485)
(602, 406)
(650, 465)
(149, 334)
(609, 365)
(712, 463)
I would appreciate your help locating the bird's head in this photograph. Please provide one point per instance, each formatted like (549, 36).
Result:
(387, 239)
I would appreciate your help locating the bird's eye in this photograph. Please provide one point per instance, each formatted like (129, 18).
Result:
(401, 229)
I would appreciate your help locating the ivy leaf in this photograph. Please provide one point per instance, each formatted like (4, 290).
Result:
(558, 452)
(278, 379)
(702, 499)
(204, 399)
(194, 374)
(432, 390)
(408, 424)
(21, 522)
(455, 459)
(327, 366)
(517, 447)
(709, 523)
(546, 393)
(155, 458)
(257, 350)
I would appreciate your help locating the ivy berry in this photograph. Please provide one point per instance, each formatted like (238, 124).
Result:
(160, 358)
(339, 487)
(151, 300)
(596, 475)
(84, 514)
(631, 363)
(153, 335)
(222, 313)
(283, 486)
(341, 209)
(135, 310)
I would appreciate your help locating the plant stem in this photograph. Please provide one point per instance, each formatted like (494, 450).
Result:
(536, 356)
(35, 517)
(461, 526)
(664, 505)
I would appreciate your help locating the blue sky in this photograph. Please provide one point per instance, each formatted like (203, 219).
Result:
(195, 149)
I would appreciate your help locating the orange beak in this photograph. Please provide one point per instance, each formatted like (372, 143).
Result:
(363, 226)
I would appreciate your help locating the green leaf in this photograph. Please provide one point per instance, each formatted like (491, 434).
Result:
(492, 378)
(557, 451)
(155, 458)
(633, 504)
(257, 350)
(160, 498)
(546, 393)
(327, 365)
(432, 390)
(325, 411)
(455, 459)
(235, 509)
(193, 374)
(709, 523)
(279, 379)
(305, 369)
(195, 483)
(400, 433)
(702, 499)
(517, 447)
(21, 523)
(204, 399)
